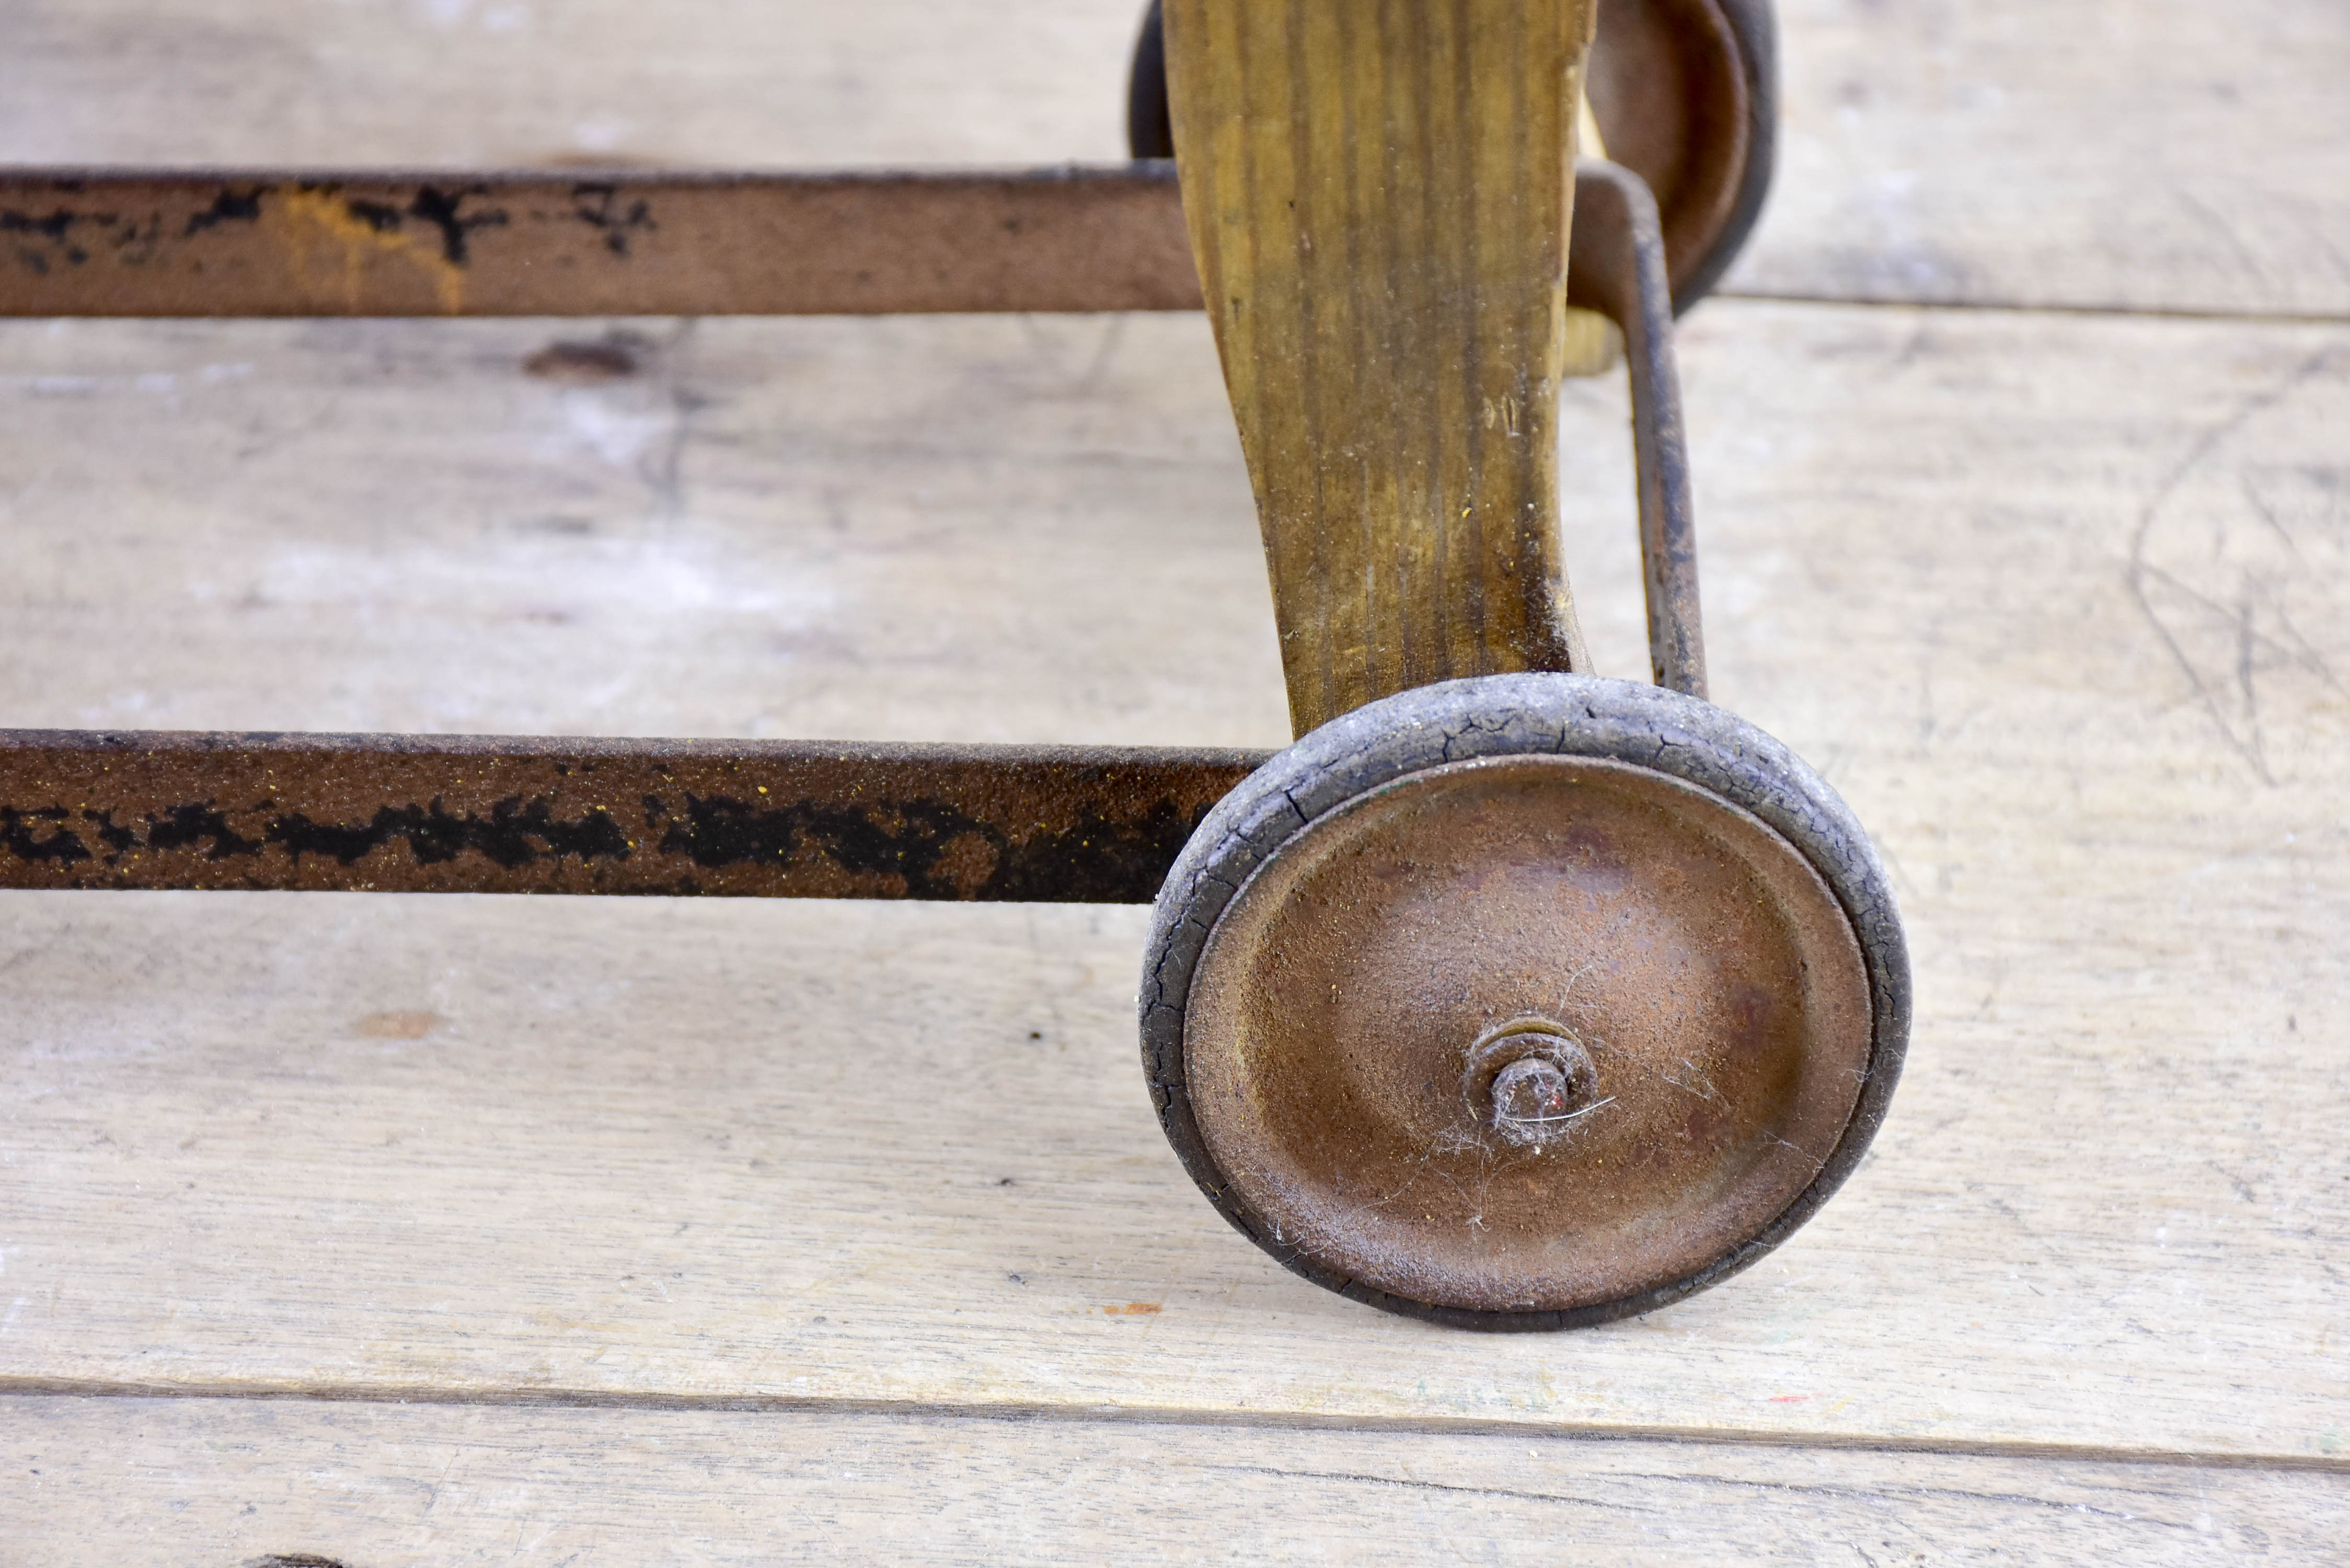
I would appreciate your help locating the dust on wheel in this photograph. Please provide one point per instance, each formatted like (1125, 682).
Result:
(1524, 1001)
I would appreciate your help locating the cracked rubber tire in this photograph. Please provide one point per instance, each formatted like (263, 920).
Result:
(1524, 1001)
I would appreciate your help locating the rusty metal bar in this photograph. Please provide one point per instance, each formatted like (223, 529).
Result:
(297, 243)
(791, 819)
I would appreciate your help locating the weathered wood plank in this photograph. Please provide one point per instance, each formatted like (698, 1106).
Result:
(535, 528)
(2136, 154)
(457, 84)
(2057, 603)
(2107, 155)
(131, 1482)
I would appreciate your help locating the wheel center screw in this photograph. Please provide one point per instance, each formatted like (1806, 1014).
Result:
(1530, 1081)
(1532, 1100)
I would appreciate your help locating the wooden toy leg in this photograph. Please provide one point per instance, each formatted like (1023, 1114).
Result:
(1378, 198)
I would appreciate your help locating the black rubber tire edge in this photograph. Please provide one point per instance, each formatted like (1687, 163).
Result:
(1757, 28)
(1150, 124)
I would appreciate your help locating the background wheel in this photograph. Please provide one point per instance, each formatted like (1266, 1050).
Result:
(1524, 1001)
(1686, 95)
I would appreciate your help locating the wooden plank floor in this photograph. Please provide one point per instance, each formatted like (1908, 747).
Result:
(412, 1230)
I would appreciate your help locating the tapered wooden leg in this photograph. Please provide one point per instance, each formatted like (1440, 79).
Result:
(1378, 195)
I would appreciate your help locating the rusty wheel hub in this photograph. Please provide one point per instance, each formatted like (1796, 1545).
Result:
(1656, 1007)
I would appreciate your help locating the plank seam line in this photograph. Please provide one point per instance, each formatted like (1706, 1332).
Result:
(2024, 307)
(12, 1388)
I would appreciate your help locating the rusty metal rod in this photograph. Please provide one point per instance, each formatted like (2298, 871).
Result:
(791, 819)
(312, 243)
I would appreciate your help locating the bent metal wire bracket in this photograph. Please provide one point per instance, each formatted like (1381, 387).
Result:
(792, 820)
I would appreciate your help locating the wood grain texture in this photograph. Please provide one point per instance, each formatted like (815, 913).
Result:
(141, 1482)
(2154, 155)
(864, 530)
(1378, 201)
(2054, 602)
(2104, 154)
(457, 84)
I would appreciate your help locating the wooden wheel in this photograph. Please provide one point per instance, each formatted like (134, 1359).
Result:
(1524, 1001)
